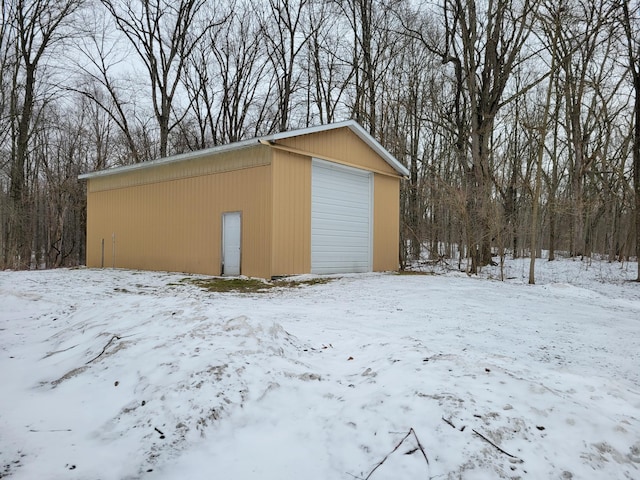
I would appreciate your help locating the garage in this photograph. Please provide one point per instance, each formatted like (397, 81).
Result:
(323, 200)
(341, 224)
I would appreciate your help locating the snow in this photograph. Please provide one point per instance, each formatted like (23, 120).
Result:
(115, 374)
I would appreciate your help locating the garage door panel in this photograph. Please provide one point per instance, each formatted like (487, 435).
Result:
(348, 206)
(327, 254)
(341, 207)
(342, 227)
(336, 209)
(351, 243)
(336, 265)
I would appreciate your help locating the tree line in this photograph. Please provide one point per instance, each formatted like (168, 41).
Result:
(519, 121)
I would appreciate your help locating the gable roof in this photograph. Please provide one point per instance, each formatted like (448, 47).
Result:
(350, 124)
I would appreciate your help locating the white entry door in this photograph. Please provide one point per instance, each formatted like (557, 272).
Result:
(231, 243)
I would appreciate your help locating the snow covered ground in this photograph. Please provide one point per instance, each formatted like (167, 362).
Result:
(113, 374)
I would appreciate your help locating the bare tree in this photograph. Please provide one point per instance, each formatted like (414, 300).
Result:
(633, 50)
(228, 81)
(8, 65)
(553, 32)
(198, 130)
(553, 177)
(490, 45)
(286, 34)
(578, 44)
(412, 86)
(163, 34)
(372, 25)
(36, 26)
(100, 56)
(61, 148)
(241, 61)
(329, 68)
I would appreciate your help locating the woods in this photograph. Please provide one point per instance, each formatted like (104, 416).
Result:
(519, 121)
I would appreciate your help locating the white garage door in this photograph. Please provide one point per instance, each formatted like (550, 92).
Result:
(341, 212)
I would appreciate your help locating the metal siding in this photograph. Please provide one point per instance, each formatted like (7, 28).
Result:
(249, 157)
(175, 225)
(291, 214)
(341, 204)
(386, 223)
(340, 144)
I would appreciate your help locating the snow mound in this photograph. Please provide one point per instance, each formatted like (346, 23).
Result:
(123, 375)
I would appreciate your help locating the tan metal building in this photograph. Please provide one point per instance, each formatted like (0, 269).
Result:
(318, 200)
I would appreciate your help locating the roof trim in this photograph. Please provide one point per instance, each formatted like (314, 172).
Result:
(351, 124)
(169, 160)
(356, 128)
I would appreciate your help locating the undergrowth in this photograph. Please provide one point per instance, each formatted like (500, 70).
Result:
(250, 285)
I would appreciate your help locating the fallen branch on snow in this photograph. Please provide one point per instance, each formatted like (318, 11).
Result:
(420, 447)
(495, 446)
(115, 337)
(449, 422)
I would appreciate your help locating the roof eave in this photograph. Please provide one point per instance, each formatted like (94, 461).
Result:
(169, 160)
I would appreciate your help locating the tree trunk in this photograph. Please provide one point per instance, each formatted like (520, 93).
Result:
(634, 66)
(577, 175)
(553, 187)
(19, 245)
